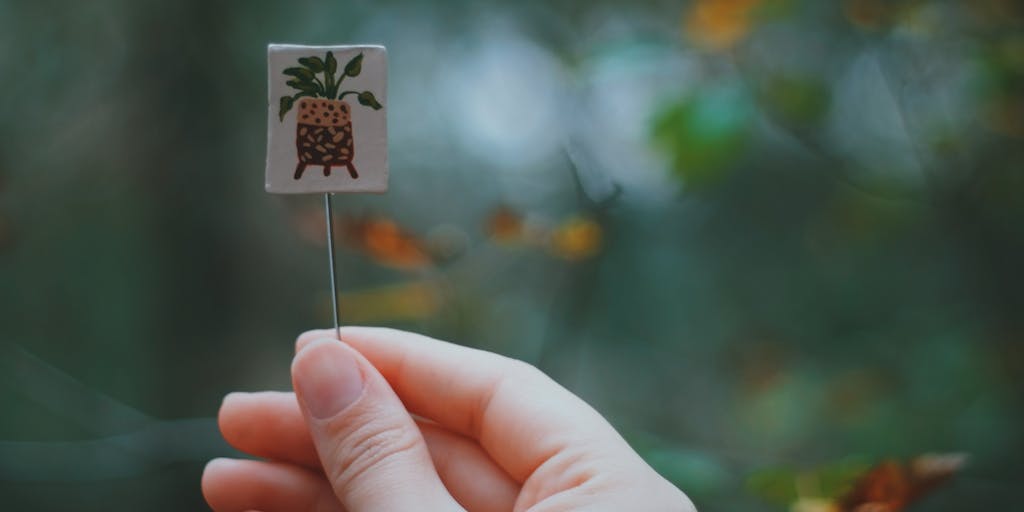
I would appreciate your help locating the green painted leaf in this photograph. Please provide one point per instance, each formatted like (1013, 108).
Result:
(313, 63)
(286, 104)
(330, 68)
(302, 74)
(304, 86)
(332, 65)
(367, 98)
(354, 66)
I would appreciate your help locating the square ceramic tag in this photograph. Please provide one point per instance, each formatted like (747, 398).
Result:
(326, 119)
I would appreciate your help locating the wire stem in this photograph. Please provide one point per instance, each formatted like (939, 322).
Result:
(330, 256)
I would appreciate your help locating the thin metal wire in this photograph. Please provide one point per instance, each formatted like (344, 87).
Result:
(330, 255)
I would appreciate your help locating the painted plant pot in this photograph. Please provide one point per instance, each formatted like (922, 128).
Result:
(323, 135)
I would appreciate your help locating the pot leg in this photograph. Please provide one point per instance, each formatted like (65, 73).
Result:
(327, 170)
(352, 170)
(299, 168)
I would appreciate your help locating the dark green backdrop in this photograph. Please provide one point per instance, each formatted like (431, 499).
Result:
(763, 237)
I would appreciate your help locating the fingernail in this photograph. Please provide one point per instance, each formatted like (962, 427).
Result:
(219, 462)
(232, 397)
(327, 378)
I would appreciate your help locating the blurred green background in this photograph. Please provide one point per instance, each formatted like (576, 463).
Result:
(768, 239)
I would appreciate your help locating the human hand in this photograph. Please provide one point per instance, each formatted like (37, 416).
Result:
(393, 421)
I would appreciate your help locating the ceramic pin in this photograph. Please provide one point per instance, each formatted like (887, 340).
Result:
(326, 119)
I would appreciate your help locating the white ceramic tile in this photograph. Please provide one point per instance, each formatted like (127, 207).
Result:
(333, 138)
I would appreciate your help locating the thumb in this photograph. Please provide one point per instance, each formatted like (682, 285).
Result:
(372, 452)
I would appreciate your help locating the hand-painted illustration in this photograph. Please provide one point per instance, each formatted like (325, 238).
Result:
(323, 132)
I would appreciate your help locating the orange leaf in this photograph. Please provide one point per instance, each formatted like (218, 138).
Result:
(719, 24)
(892, 485)
(387, 244)
(505, 225)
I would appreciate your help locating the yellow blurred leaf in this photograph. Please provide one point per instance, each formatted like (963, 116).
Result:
(814, 505)
(401, 302)
(576, 239)
(719, 24)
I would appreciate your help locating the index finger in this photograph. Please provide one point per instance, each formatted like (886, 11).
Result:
(519, 416)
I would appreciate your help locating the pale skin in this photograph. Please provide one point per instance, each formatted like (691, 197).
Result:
(387, 420)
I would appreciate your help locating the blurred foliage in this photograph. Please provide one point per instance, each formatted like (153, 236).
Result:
(777, 242)
(705, 132)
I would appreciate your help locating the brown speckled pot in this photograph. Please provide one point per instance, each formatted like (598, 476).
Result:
(323, 135)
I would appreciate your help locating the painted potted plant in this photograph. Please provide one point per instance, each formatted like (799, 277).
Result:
(323, 131)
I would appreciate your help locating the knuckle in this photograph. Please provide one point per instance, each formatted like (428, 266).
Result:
(523, 370)
(523, 373)
(370, 447)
